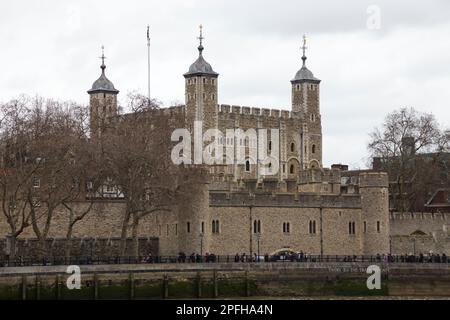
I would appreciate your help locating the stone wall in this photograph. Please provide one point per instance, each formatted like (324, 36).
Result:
(85, 247)
(224, 280)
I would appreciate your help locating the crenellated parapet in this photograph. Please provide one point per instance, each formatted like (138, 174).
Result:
(373, 180)
(263, 199)
(254, 111)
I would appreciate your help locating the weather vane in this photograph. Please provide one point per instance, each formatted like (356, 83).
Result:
(103, 56)
(304, 47)
(201, 34)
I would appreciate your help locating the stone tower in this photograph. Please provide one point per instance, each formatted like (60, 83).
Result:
(102, 102)
(375, 212)
(306, 102)
(201, 92)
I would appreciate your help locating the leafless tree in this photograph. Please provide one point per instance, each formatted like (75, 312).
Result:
(16, 170)
(137, 154)
(398, 148)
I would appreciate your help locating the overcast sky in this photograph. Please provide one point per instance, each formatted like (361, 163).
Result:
(51, 48)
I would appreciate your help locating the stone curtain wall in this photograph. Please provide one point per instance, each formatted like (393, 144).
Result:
(99, 247)
(421, 232)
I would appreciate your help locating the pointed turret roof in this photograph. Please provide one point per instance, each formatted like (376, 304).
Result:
(103, 84)
(200, 66)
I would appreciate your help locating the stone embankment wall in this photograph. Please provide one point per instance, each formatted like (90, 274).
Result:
(155, 281)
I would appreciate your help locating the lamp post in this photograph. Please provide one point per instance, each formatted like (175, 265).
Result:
(258, 237)
(251, 223)
(201, 244)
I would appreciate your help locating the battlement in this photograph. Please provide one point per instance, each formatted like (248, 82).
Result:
(300, 200)
(173, 110)
(373, 180)
(252, 111)
(426, 216)
(323, 175)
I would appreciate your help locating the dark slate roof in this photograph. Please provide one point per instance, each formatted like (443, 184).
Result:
(103, 84)
(304, 74)
(200, 66)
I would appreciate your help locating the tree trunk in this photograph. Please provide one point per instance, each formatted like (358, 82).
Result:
(135, 241)
(123, 236)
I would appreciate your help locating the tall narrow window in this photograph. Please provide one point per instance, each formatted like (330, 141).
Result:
(365, 226)
(312, 227)
(247, 166)
(203, 227)
(313, 148)
(257, 226)
(188, 227)
(378, 226)
(215, 226)
(292, 169)
(292, 147)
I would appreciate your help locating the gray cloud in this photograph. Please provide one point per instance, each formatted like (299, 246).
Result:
(51, 48)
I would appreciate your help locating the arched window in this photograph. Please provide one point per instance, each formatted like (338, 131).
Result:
(313, 149)
(247, 166)
(292, 169)
(292, 147)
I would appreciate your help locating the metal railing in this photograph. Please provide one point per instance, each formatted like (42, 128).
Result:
(180, 259)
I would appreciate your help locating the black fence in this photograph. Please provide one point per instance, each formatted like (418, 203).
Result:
(182, 258)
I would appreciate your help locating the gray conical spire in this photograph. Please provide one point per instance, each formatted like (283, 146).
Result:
(304, 74)
(200, 66)
(103, 84)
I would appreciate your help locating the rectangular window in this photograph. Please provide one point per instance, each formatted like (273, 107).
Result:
(365, 226)
(378, 227)
(188, 227)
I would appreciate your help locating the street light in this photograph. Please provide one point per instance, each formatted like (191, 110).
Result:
(201, 244)
(258, 237)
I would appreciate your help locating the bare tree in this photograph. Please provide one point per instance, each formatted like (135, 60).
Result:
(137, 154)
(398, 148)
(16, 170)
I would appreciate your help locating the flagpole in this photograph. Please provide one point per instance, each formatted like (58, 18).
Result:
(148, 53)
